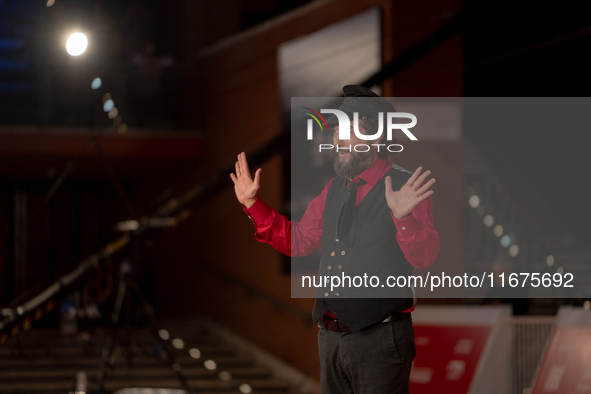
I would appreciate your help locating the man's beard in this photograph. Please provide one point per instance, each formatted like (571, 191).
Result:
(357, 163)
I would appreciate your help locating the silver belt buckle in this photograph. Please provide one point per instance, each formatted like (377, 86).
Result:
(386, 320)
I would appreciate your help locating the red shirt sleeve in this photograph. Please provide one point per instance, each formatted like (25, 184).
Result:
(417, 236)
(290, 237)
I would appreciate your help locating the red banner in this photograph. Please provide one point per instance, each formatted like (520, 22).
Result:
(446, 358)
(567, 366)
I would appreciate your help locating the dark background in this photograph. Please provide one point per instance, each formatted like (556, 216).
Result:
(219, 95)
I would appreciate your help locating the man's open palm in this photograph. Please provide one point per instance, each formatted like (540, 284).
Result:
(403, 201)
(245, 187)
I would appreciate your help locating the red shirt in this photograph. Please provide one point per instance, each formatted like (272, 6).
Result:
(416, 234)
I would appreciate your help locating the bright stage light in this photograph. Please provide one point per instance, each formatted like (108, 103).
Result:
(108, 105)
(96, 83)
(77, 44)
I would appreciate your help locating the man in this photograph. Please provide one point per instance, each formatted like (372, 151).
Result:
(371, 214)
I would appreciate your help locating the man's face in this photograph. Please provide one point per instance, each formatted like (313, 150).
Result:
(349, 163)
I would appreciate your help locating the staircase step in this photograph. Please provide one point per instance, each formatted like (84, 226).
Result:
(149, 382)
(138, 362)
(43, 361)
(33, 351)
(157, 372)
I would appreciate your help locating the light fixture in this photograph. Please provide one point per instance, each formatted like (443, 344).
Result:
(77, 44)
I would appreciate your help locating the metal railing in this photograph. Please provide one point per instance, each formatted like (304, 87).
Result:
(23, 315)
(530, 339)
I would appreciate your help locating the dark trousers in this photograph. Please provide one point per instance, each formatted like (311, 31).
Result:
(376, 359)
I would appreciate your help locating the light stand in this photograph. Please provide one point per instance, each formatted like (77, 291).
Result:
(127, 283)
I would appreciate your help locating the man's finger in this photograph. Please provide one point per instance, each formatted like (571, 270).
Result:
(238, 169)
(414, 176)
(234, 179)
(257, 178)
(421, 179)
(425, 187)
(421, 198)
(388, 181)
(244, 163)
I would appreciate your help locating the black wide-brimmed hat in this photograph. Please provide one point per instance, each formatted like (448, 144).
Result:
(363, 101)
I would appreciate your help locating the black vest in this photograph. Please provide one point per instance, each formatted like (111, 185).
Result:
(375, 252)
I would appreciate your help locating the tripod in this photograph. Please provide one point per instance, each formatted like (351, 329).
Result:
(127, 283)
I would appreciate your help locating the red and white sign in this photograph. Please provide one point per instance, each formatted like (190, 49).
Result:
(447, 357)
(567, 366)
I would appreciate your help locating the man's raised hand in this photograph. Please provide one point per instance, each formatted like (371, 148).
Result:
(403, 201)
(245, 187)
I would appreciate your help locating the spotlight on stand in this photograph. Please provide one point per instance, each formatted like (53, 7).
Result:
(77, 44)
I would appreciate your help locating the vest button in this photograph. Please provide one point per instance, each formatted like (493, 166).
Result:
(340, 266)
(332, 253)
(337, 294)
(337, 240)
(326, 294)
(329, 267)
(404, 228)
(343, 253)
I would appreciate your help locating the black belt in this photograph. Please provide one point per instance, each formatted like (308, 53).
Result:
(336, 325)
